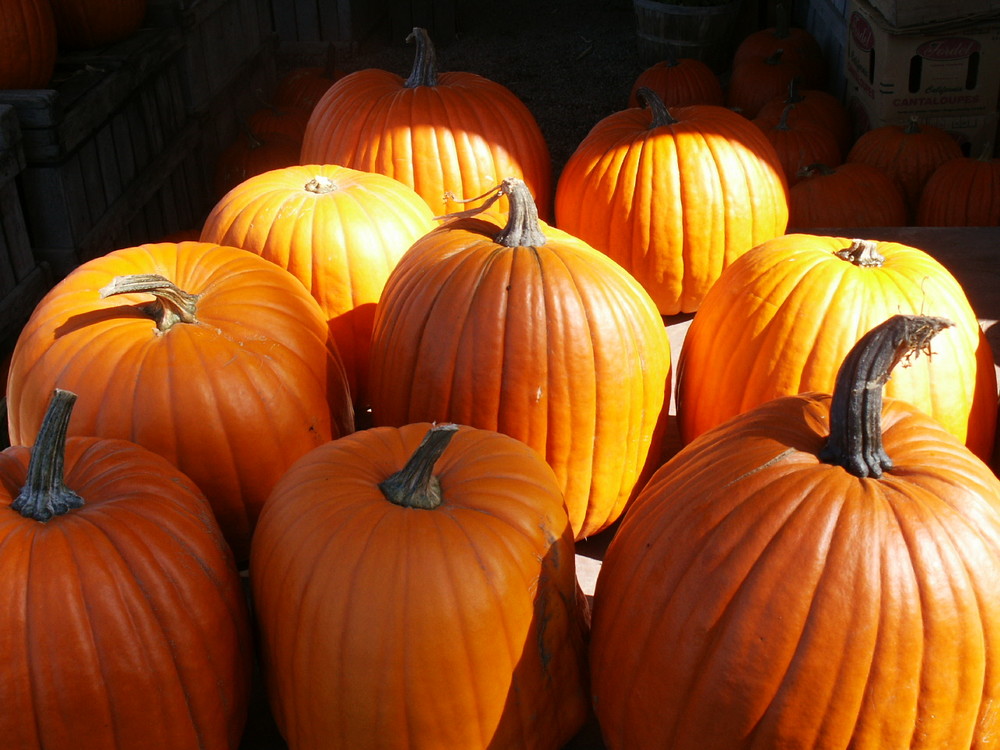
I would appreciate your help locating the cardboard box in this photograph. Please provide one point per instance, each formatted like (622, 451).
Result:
(947, 75)
(910, 13)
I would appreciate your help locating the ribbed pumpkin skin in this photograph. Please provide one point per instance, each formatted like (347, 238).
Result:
(28, 44)
(677, 203)
(753, 597)
(818, 106)
(123, 623)
(391, 627)
(851, 194)
(232, 400)
(907, 153)
(756, 336)
(680, 82)
(554, 345)
(478, 130)
(799, 143)
(84, 24)
(340, 231)
(963, 192)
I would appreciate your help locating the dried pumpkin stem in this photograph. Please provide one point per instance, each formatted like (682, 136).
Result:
(171, 304)
(661, 115)
(45, 494)
(424, 72)
(863, 253)
(855, 440)
(522, 228)
(415, 485)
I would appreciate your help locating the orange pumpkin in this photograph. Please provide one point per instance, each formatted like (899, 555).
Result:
(679, 82)
(412, 592)
(818, 106)
(799, 143)
(28, 44)
(851, 194)
(756, 337)
(798, 46)
(302, 87)
(820, 572)
(443, 134)
(631, 190)
(123, 620)
(252, 154)
(756, 81)
(962, 192)
(524, 329)
(340, 231)
(226, 358)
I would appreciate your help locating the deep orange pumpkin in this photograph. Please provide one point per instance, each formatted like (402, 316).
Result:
(252, 154)
(962, 192)
(123, 622)
(756, 337)
(799, 143)
(818, 106)
(673, 196)
(340, 231)
(527, 330)
(302, 87)
(764, 591)
(28, 44)
(679, 82)
(798, 46)
(231, 387)
(851, 194)
(408, 597)
(451, 133)
(85, 24)
(754, 82)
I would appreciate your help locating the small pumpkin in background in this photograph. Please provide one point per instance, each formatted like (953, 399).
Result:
(340, 231)
(815, 105)
(756, 81)
(504, 323)
(908, 153)
(962, 192)
(757, 335)
(799, 143)
(124, 622)
(302, 87)
(852, 194)
(85, 24)
(679, 81)
(821, 571)
(629, 190)
(798, 47)
(253, 153)
(28, 44)
(275, 118)
(226, 359)
(449, 136)
(416, 587)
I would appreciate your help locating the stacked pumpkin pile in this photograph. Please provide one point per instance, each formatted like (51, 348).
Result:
(388, 389)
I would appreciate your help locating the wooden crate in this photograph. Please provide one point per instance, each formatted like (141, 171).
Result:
(305, 28)
(23, 281)
(92, 142)
(220, 37)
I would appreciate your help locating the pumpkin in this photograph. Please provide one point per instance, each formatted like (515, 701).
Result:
(908, 153)
(524, 329)
(443, 134)
(962, 192)
(226, 358)
(814, 105)
(851, 194)
(820, 572)
(273, 118)
(754, 82)
(253, 153)
(632, 191)
(756, 337)
(798, 46)
(85, 24)
(302, 87)
(416, 587)
(799, 143)
(123, 620)
(679, 81)
(340, 231)
(28, 44)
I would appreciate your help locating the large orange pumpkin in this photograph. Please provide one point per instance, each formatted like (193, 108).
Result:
(28, 44)
(673, 196)
(962, 192)
(340, 231)
(123, 622)
(416, 593)
(527, 330)
(756, 337)
(443, 134)
(225, 357)
(816, 573)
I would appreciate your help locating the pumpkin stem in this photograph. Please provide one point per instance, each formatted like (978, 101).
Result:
(320, 185)
(782, 21)
(912, 126)
(855, 440)
(661, 115)
(424, 71)
(863, 253)
(415, 485)
(172, 305)
(522, 228)
(821, 169)
(783, 120)
(794, 96)
(45, 494)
